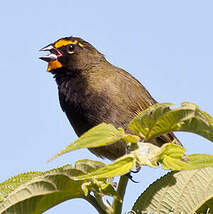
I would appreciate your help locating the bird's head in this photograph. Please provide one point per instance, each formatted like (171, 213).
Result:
(71, 53)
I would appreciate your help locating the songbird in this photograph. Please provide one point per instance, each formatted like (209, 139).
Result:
(92, 91)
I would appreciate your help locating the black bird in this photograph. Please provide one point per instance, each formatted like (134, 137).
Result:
(92, 91)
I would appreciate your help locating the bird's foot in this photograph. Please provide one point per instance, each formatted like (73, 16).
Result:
(131, 179)
(137, 169)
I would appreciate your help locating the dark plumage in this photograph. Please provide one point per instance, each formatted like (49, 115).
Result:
(92, 91)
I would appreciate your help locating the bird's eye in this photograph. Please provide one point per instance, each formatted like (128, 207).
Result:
(70, 49)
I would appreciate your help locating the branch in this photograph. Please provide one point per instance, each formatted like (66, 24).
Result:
(93, 201)
(121, 189)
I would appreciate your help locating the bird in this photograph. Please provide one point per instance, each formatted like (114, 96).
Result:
(91, 91)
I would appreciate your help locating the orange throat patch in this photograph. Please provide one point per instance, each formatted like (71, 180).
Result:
(55, 64)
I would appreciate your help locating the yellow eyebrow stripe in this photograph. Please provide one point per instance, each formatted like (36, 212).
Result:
(81, 45)
(64, 42)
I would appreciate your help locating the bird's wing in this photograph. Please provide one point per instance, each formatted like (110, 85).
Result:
(140, 100)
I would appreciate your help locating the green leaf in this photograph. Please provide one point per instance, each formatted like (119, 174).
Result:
(171, 149)
(36, 192)
(159, 119)
(41, 192)
(171, 156)
(87, 165)
(11, 184)
(186, 118)
(101, 135)
(196, 161)
(120, 166)
(131, 138)
(187, 191)
(146, 119)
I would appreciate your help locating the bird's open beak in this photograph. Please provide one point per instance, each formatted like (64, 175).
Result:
(52, 57)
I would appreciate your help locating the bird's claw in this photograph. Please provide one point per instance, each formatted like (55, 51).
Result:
(137, 169)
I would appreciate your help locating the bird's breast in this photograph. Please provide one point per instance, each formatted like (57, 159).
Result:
(84, 107)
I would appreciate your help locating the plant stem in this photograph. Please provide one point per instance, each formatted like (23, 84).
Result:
(121, 189)
(93, 201)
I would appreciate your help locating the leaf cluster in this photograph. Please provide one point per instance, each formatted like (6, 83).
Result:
(187, 191)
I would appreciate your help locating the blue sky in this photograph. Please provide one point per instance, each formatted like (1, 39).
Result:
(167, 45)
